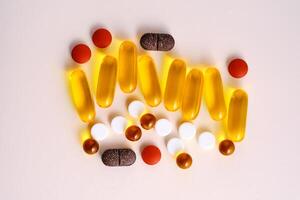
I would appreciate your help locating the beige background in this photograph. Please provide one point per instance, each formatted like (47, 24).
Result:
(40, 152)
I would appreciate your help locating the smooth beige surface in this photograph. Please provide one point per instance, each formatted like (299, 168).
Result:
(40, 152)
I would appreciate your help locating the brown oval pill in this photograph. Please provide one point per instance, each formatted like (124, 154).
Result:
(149, 41)
(165, 42)
(157, 41)
(118, 157)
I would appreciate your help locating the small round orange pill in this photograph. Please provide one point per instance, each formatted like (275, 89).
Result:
(151, 155)
(81, 53)
(90, 146)
(148, 121)
(238, 68)
(133, 133)
(226, 147)
(184, 160)
(101, 38)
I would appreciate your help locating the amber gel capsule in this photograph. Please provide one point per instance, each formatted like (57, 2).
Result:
(237, 115)
(214, 95)
(148, 81)
(127, 74)
(192, 94)
(81, 95)
(174, 85)
(106, 82)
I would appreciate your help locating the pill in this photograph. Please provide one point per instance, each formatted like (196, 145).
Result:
(151, 155)
(148, 121)
(119, 124)
(81, 95)
(207, 140)
(214, 95)
(99, 131)
(226, 147)
(118, 157)
(237, 115)
(148, 81)
(133, 133)
(101, 38)
(136, 108)
(174, 146)
(192, 94)
(238, 68)
(187, 130)
(184, 160)
(90, 146)
(106, 82)
(174, 85)
(127, 72)
(157, 41)
(81, 53)
(163, 127)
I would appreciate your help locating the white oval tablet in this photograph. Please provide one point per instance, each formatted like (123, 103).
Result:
(118, 124)
(163, 127)
(187, 130)
(174, 146)
(99, 131)
(207, 140)
(136, 108)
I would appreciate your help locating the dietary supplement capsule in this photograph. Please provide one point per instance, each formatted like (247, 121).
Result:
(157, 41)
(90, 146)
(118, 157)
(237, 115)
(226, 147)
(106, 82)
(184, 160)
(214, 95)
(81, 95)
(148, 81)
(148, 121)
(127, 74)
(174, 85)
(192, 94)
(133, 133)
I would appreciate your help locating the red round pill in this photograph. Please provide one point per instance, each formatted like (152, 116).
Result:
(102, 38)
(81, 53)
(151, 155)
(238, 68)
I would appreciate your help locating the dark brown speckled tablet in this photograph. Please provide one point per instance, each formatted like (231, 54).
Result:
(118, 157)
(157, 41)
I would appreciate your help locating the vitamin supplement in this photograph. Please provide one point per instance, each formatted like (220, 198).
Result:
(238, 68)
(136, 108)
(184, 160)
(119, 124)
(151, 155)
(214, 95)
(106, 82)
(226, 147)
(192, 94)
(174, 85)
(148, 121)
(90, 146)
(207, 140)
(81, 95)
(127, 74)
(174, 146)
(157, 41)
(101, 38)
(237, 115)
(118, 157)
(133, 133)
(81, 53)
(148, 81)
(187, 130)
(99, 131)
(163, 127)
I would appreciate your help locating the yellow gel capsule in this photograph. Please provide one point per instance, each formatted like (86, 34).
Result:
(127, 74)
(148, 81)
(174, 85)
(106, 82)
(192, 94)
(237, 115)
(81, 95)
(214, 95)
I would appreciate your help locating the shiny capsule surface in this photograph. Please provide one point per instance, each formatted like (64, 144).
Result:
(184, 160)
(106, 82)
(148, 121)
(226, 147)
(81, 95)
(90, 146)
(133, 133)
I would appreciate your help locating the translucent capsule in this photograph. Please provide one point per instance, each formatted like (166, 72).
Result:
(148, 81)
(81, 95)
(192, 94)
(127, 74)
(106, 82)
(214, 95)
(237, 115)
(174, 85)
(184, 160)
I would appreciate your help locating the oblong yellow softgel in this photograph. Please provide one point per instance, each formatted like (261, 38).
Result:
(148, 81)
(106, 82)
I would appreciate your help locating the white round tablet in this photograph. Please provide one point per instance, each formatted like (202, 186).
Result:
(118, 124)
(174, 146)
(163, 127)
(136, 108)
(99, 131)
(207, 140)
(187, 130)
